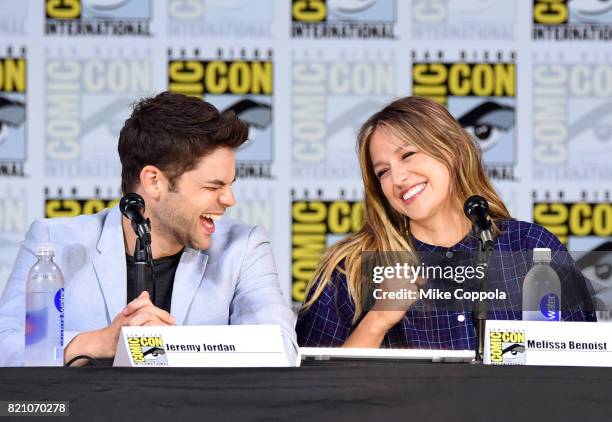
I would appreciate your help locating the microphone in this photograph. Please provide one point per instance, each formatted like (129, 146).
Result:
(132, 206)
(476, 209)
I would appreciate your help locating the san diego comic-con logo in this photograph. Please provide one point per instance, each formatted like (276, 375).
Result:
(572, 116)
(316, 224)
(233, 81)
(98, 17)
(465, 19)
(481, 94)
(587, 217)
(363, 19)
(73, 204)
(572, 20)
(147, 351)
(13, 147)
(221, 18)
(88, 96)
(329, 97)
(507, 347)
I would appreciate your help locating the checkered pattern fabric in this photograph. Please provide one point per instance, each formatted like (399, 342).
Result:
(328, 322)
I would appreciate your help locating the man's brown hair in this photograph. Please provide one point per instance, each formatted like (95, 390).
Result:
(172, 132)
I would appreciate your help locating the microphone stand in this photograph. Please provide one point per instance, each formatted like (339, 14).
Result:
(143, 259)
(480, 312)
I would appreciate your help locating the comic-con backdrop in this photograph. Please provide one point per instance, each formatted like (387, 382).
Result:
(531, 81)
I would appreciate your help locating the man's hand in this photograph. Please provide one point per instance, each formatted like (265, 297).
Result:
(103, 343)
(141, 311)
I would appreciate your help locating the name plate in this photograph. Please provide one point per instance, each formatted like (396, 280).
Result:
(201, 346)
(548, 343)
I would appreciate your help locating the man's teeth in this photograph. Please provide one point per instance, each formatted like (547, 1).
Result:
(212, 216)
(413, 191)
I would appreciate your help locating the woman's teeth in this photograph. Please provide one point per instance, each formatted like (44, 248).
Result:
(413, 191)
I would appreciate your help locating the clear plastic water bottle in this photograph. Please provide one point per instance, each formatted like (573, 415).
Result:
(541, 289)
(44, 324)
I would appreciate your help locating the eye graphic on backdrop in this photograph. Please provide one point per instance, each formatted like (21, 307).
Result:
(597, 266)
(358, 112)
(110, 119)
(344, 8)
(598, 120)
(255, 114)
(591, 7)
(12, 114)
(474, 6)
(485, 122)
(101, 8)
(226, 4)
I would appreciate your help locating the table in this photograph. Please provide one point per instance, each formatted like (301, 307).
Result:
(379, 391)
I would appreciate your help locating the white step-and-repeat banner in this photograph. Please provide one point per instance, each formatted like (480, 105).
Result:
(531, 80)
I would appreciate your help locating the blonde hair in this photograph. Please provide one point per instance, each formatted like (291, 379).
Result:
(431, 128)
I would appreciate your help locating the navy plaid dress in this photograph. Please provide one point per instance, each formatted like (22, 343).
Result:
(328, 322)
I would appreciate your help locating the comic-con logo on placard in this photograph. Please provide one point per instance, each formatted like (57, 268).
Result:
(507, 347)
(67, 202)
(572, 117)
(363, 19)
(572, 20)
(316, 224)
(98, 17)
(481, 95)
(13, 17)
(330, 99)
(465, 19)
(221, 18)
(147, 351)
(88, 96)
(583, 223)
(13, 149)
(233, 82)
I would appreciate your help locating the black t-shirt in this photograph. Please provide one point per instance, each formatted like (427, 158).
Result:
(163, 280)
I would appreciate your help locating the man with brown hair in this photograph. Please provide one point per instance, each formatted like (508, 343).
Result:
(178, 153)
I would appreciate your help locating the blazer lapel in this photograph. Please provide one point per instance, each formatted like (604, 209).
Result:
(110, 264)
(187, 280)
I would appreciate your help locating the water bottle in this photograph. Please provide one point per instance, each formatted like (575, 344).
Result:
(541, 289)
(44, 324)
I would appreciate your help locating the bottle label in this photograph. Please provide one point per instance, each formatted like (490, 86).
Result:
(35, 326)
(550, 307)
(58, 300)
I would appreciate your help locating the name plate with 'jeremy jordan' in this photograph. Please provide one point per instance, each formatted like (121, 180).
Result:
(202, 346)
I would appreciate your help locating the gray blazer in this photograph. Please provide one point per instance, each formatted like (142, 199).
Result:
(233, 282)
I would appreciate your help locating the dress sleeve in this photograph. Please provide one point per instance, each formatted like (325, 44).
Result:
(328, 321)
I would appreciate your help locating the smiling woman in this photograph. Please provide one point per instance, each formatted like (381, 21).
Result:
(418, 167)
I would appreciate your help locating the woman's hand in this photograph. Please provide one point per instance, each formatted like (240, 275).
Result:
(393, 298)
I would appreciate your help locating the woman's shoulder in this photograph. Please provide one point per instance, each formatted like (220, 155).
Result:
(335, 284)
(523, 235)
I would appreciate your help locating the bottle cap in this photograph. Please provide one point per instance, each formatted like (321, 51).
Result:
(45, 249)
(541, 255)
